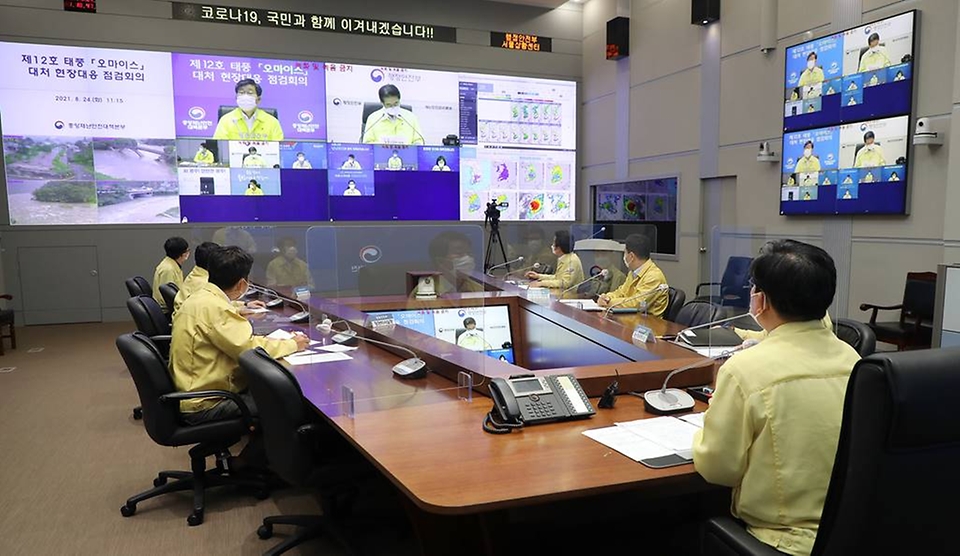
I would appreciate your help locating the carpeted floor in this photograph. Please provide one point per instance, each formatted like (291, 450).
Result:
(71, 454)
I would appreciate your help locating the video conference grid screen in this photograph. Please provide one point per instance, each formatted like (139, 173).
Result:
(103, 136)
(485, 329)
(863, 73)
(846, 120)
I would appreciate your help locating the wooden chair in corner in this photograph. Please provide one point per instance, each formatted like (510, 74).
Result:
(7, 321)
(914, 329)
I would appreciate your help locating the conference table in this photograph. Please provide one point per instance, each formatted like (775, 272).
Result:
(425, 435)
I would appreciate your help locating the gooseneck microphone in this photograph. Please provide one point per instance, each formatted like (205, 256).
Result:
(673, 400)
(414, 367)
(367, 127)
(278, 300)
(402, 119)
(660, 288)
(534, 267)
(501, 265)
(598, 232)
(602, 275)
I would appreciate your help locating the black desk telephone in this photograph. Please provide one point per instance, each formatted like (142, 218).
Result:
(530, 400)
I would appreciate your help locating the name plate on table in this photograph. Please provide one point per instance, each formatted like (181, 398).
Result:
(538, 294)
(642, 335)
(302, 293)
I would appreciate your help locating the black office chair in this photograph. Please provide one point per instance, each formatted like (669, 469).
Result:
(857, 334)
(150, 320)
(161, 418)
(291, 439)
(138, 285)
(169, 292)
(898, 450)
(696, 313)
(734, 285)
(675, 300)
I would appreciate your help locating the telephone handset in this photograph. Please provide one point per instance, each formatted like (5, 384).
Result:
(529, 400)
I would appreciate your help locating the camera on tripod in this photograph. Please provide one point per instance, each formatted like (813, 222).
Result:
(492, 214)
(492, 217)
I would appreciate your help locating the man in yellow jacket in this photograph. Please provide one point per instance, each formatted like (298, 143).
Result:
(247, 122)
(169, 270)
(813, 73)
(809, 162)
(644, 278)
(203, 156)
(773, 424)
(392, 124)
(875, 56)
(569, 268)
(871, 154)
(210, 334)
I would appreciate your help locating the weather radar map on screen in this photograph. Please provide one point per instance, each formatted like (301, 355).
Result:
(104, 136)
(847, 105)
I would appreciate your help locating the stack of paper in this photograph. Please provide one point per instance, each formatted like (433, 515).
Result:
(644, 440)
(583, 304)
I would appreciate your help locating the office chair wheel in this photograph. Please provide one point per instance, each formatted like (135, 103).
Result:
(265, 532)
(159, 481)
(128, 510)
(138, 413)
(194, 519)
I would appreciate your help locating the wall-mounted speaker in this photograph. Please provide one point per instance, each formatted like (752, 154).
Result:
(618, 38)
(704, 12)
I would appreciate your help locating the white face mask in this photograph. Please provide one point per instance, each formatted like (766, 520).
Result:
(625, 263)
(875, 49)
(755, 311)
(393, 111)
(808, 152)
(464, 264)
(868, 147)
(811, 64)
(247, 102)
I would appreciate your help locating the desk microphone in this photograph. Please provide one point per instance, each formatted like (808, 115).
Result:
(501, 265)
(673, 400)
(278, 300)
(600, 231)
(601, 275)
(414, 367)
(660, 288)
(422, 138)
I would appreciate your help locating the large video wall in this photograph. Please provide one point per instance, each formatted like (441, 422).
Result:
(846, 121)
(105, 136)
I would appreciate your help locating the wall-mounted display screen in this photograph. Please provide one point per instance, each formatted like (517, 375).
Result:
(858, 74)
(848, 100)
(848, 169)
(102, 136)
(648, 201)
(485, 329)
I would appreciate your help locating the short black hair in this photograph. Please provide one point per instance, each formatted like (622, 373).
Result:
(175, 246)
(351, 181)
(798, 279)
(873, 37)
(468, 321)
(351, 156)
(440, 246)
(388, 91)
(254, 182)
(869, 135)
(441, 157)
(562, 240)
(252, 150)
(244, 82)
(808, 143)
(814, 54)
(639, 245)
(300, 153)
(201, 255)
(286, 241)
(229, 265)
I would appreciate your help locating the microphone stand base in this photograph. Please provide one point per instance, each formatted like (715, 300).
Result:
(411, 368)
(667, 402)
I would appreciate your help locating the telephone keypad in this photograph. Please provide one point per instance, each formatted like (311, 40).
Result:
(538, 409)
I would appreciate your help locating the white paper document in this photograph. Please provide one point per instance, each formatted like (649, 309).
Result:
(582, 304)
(715, 351)
(695, 419)
(669, 432)
(254, 310)
(334, 348)
(280, 334)
(310, 358)
(627, 443)
(646, 439)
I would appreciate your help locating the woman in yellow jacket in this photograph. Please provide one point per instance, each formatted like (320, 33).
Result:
(253, 188)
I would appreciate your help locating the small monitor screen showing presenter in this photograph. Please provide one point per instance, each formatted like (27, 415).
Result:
(391, 106)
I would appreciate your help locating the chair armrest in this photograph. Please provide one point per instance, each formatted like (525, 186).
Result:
(723, 535)
(177, 397)
(702, 284)
(6, 296)
(161, 338)
(876, 308)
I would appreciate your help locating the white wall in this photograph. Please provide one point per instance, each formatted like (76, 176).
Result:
(666, 119)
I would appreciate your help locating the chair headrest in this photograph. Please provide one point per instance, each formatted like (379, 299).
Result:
(922, 387)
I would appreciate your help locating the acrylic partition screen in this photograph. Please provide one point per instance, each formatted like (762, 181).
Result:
(107, 136)
(848, 98)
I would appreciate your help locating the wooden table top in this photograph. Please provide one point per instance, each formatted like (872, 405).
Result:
(431, 445)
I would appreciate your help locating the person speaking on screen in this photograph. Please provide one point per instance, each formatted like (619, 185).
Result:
(809, 162)
(301, 163)
(392, 125)
(441, 165)
(813, 73)
(472, 337)
(203, 156)
(351, 163)
(395, 162)
(871, 154)
(875, 57)
(247, 122)
(253, 159)
(253, 189)
(351, 190)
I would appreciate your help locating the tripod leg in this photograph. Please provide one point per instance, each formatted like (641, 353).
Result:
(502, 250)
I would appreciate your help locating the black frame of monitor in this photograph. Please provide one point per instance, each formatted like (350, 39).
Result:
(908, 190)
